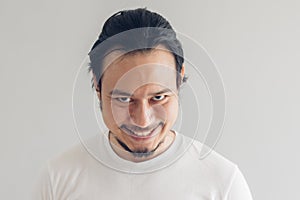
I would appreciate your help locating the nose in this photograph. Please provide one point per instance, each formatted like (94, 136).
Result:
(141, 114)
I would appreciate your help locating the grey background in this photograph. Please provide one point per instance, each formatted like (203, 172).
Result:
(254, 43)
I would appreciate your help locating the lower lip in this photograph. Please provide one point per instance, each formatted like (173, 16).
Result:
(143, 138)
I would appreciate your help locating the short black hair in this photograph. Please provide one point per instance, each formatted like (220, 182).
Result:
(154, 30)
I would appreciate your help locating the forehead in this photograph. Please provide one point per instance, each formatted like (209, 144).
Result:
(131, 71)
(120, 61)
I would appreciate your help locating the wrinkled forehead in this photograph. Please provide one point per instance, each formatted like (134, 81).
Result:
(129, 72)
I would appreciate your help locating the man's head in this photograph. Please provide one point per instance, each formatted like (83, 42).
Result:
(137, 64)
(149, 30)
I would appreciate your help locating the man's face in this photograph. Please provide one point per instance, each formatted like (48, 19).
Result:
(139, 99)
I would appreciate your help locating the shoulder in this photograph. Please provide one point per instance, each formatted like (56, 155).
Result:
(60, 173)
(79, 155)
(69, 164)
(75, 154)
(209, 158)
(211, 166)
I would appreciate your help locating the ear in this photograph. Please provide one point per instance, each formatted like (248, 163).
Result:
(182, 72)
(96, 87)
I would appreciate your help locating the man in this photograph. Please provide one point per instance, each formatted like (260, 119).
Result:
(137, 67)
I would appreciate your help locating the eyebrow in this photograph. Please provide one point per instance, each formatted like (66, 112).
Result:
(166, 90)
(119, 92)
(123, 93)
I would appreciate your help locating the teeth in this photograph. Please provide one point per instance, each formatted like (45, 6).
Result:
(142, 134)
(139, 134)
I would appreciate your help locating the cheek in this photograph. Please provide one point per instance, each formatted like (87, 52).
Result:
(108, 113)
(171, 111)
(114, 115)
(120, 114)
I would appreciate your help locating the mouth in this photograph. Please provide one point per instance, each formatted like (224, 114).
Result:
(142, 135)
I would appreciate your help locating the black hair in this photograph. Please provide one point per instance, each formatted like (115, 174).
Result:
(153, 30)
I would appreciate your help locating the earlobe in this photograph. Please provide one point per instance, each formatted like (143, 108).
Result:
(98, 93)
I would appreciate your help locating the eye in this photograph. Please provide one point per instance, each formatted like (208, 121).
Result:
(123, 99)
(158, 97)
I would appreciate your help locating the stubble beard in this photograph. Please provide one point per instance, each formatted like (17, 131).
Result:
(142, 153)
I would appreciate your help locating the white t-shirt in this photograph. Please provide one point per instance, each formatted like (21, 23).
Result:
(95, 171)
